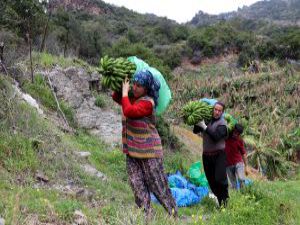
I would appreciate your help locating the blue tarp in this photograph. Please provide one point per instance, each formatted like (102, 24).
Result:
(184, 192)
(177, 180)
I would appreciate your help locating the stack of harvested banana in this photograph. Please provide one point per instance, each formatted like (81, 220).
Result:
(195, 111)
(114, 71)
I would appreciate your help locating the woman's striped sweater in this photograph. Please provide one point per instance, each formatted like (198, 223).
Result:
(139, 136)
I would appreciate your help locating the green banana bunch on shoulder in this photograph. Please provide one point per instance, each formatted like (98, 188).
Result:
(114, 71)
(230, 120)
(195, 111)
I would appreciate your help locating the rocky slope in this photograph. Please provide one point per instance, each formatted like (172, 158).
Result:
(72, 86)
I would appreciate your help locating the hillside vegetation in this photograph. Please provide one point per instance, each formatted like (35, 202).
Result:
(56, 175)
(62, 27)
(43, 181)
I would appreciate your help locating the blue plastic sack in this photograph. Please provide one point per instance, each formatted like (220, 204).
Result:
(183, 197)
(184, 192)
(177, 180)
(209, 101)
(201, 192)
(165, 95)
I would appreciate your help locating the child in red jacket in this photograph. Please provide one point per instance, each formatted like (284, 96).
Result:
(236, 157)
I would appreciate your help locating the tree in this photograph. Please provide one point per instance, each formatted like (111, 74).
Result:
(92, 43)
(71, 32)
(25, 16)
(49, 9)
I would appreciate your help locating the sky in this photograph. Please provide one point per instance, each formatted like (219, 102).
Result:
(181, 10)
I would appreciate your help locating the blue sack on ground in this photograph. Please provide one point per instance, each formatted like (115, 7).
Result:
(177, 180)
(183, 197)
(202, 192)
(184, 192)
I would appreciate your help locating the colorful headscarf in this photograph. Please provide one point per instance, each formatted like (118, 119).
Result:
(148, 81)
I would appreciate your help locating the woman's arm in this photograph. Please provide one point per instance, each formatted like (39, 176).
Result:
(136, 110)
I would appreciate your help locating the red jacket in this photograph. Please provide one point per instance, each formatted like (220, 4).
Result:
(131, 109)
(234, 148)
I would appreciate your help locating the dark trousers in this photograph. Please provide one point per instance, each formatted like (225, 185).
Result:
(145, 176)
(215, 171)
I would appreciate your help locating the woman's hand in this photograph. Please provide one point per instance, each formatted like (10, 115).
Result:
(125, 87)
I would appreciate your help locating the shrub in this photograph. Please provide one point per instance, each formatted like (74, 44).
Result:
(100, 101)
(246, 57)
(172, 57)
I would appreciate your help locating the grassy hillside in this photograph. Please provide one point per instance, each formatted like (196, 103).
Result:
(31, 145)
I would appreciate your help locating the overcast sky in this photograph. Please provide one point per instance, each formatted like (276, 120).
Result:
(181, 10)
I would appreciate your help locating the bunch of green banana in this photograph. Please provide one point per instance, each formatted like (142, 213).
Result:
(195, 111)
(114, 71)
(231, 121)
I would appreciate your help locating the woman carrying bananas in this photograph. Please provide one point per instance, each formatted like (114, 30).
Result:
(214, 156)
(142, 143)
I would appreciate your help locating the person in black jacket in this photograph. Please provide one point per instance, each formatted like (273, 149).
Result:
(214, 156)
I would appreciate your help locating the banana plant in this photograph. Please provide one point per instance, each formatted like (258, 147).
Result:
(290, 144)
(267, 160)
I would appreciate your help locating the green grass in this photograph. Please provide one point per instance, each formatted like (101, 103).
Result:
(18, 203)
(17, 153)
(107, 160)
(47, 60)
(262, 204)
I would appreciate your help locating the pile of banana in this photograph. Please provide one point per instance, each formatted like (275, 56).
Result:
(114, 71)
(195, 111)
